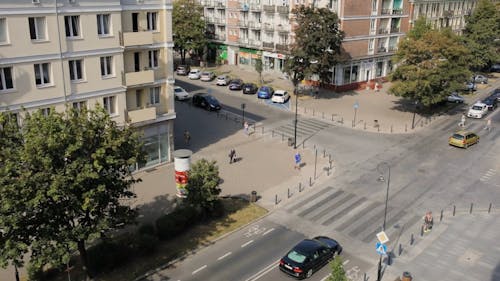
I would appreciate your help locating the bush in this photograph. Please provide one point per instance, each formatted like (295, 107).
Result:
(171, 225)
(148, 229)
(145, 244)
(218, 209)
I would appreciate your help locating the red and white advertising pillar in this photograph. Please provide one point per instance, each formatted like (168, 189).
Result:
(182, 165)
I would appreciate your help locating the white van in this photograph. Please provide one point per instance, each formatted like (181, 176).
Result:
(477, 110)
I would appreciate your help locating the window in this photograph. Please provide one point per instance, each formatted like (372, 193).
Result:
(371, 44)
(45, 111)
(72, 24)
(154, 95)
(106, 66)
(103, 24)
(3, 31)
(372, 25)
(76, 70)
(42, 74)
(152, 18)
(6, 78)
(380, 68)
(153, 58)
(109, 104)
(37, 28)
(80, 105)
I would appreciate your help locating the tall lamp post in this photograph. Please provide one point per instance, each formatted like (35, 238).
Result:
(381, 168)
(295, 80)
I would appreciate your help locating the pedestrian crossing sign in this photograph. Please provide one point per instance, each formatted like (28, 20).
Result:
(381, 248)
(382, 237)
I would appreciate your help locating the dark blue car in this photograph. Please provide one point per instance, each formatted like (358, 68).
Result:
(265, 92)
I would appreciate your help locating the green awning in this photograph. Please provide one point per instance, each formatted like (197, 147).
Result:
(223, 55)
(250, 51)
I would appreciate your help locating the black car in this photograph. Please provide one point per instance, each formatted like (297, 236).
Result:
(309, 256)
(495, 67)
(235, 84)
(496, 94)
(491, 102)
(250, 88)
(206, 101)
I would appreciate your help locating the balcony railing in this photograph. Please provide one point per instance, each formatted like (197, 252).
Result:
(255, 7)
(139, 78)
(394, 29)
(397, 11)
(381, 50)
(243, 24)
(281, 47)
(283, 9)
(254, 25)
(386, 11)
(243, 40)
(220, 21)
(269, 8)
(141, 115)
(268, 27)
(393, 48)
(383, 31)
(283, 28)
(208, 3)
(268, 45)
(255, 43)
(220, 4)
(220, 37)
(137, 38)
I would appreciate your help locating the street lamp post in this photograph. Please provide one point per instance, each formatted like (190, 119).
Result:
(243, 105)
(381, 168)
(296, 93)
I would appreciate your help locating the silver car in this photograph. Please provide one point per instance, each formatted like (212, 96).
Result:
(480, 79)
(207, 76)
(222, 80)
(456, 98)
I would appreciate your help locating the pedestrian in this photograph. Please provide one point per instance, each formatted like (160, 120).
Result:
(232, 154)
(462, 121)
(428, 222)
(316, 92)
(245, 126)
(297, 160)
(187, 137)
(488, 124)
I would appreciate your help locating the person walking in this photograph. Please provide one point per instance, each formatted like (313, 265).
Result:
(428, 222)
(462, 121)
(187, 137)
(245, 127)
(232, 154)
(297, 159)
(488, 125)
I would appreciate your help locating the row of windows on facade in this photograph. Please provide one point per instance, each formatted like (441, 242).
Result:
(38, 27)
(109, 103)
(76, 70)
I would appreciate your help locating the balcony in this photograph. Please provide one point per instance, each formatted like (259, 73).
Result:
(139, 78)
(243, 40)
(141, 115)
(394, 29)
(210, 20)
(270, 9)
(381, 50)
(386, 11)
(268, 27)
(283, 28)
(220, 4)
(137, 38)
(268, 45)
(254, 25)
(282, 47)
(219, 21)
(283, 9)
(243, 24)
(255, 43)
(448, 13)
(208, 3)
(254, 7)
(220, 37)
(397, 11)
(383, 31)
(393, 48)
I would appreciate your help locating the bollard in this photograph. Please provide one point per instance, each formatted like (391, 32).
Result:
(406, 128)
(300, 187)
(400, 249)
(489, 209)
(310, 181)
(314, 111)
(226, 116)
(262, 129)
(332, 116)
(364, 277)
(364, 126)
(323, 116)
(441, 217)
(324, 152)
(389, 256)
(391, 128)
(303, 144)
(282, 136)
(421, 231)
(412, 239)
(276, 199)
(378, 128)
(454, 207)
(272, 134)
(342, 120)
(471, 204)
(289, 193)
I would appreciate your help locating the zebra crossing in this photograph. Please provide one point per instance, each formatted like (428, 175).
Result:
(356, 216)
(305, 129)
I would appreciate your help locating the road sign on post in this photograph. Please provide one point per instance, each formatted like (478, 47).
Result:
(381, 248)
(382, 237)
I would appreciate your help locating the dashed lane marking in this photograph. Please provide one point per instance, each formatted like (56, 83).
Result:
(267, 231)
(247, 243)
(223, 256)
(199, 269)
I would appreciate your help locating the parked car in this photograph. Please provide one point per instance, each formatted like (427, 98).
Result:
(280, 96)
(249, 89)
(308, 256)
(180, 93)
(480, 79)
(265, 92)
(206, 101)
(194, 74)
(456, 98)
(222, 80)
(183, 70)
(496, 94)
(477, 110)
(495, 67)
(207, 76)
(491, 102)
(470, 86)
(235, 84)
(463, 139)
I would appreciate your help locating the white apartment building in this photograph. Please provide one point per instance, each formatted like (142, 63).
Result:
(79, 53)
(243, 31)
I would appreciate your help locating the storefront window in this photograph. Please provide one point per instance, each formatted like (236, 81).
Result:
(151, 146)
(347, 74)
(380, 68)
(164, 147)
(354, 73)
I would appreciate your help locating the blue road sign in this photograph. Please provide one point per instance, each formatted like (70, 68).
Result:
(381, 248)
(356, 105)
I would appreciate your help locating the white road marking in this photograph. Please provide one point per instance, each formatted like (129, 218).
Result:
(199, 269)
(247, 243)
(345, 262)
(267, 231)
(326, 277)
(223, 256)
(263, 272)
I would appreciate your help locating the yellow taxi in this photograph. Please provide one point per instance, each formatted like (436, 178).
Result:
(463, 139)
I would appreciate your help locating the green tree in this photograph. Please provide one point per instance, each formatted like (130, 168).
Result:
(430, 65)
(73, 171)
(188, 28)
(338, 272)
(259, 69)
(203, 184)
(481, 35)
(317, 44)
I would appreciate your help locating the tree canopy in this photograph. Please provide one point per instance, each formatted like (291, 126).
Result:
(430, 65)
(188, 27)
(481, 35)
(317, 44)
(338, 272)
(203, 184)
(63, 182)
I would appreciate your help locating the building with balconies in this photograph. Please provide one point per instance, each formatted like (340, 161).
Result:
(58, 54)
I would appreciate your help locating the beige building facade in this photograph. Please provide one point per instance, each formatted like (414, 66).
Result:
(78, 53)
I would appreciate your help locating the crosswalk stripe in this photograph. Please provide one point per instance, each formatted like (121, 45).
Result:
(368, 222)
(309, 198)
(357, 216)
(313, 207)
(392, 220)
(332, 206)
(344, 211)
